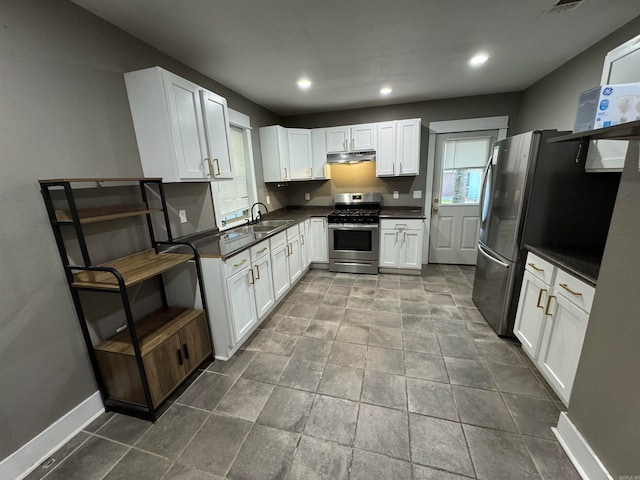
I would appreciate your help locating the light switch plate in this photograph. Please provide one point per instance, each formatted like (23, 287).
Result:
(396, 194)
(417, 194)
(183, 216)
(307, 196)
(268, 200)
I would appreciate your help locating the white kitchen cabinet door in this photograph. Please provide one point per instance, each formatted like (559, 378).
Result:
(319, 168)
(263, 285)
(305, 243)
(242, 303)
(216, 126)
(411, 249)
(387, 149)
(299, 143)
(562, 345)
(294, 259)
(408, 142)
(280, 270)
(389, 248)
(319, 240)
(530, 317)
(274, 146)
(338, 139)
(363, 137)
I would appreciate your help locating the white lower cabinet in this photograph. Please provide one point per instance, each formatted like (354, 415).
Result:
(318, 240)
(551, 322)
(280, 265)
(305, 243)
(294, 257)
(242, 302)
(401, 244)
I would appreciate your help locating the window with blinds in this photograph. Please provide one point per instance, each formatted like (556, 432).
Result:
(233, 194)
(463, 163)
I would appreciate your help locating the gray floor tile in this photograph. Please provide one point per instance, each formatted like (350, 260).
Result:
(332, 419)
(283, 308)
(185, 472)
(293, 325)
(435, 287)
(329, 313)
(124, 429)
(306, 299)
(207, 391)
(353, 334)
(519, 380)
(386, 319)
(336, 297)
(415, 294)
(470, 373)
(439, 443)
(483, 407)
(313, 349)
(385, 337)
(302, 310)
(440, 299)
(360, 303)
(387, 294)
(472, 314)
(92, 460)
(62, 453)
(452, 327)
(272, 322)
(139, 465)
(348, 354)
(357, 317)
(322, 329)
(302, 374)
(99, 422)
(445, 312)
(317, 459)
(385, 360)
(423, 342)
(369, 466)
(420, 323)
(343, 281)
(341, 381)
(385, 390)
(280, 344)
(173, 431)
(431, 398)
(385, 305)
(245, 399)
(266, 368)
(258, 340)
(235, 365)
(499, 351)
(533, 416)
(286, 409)
(369, 281)
(363, 292)
(425, 366)
(382, 430)
(480, 331)
(317, 288)
(499, 455)
(463, 300)
(388, 284)
(220, 434)
(266, 454)
(551, 460)
(426, 473)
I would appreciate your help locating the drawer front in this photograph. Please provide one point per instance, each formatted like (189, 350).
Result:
(236, 263)
(259, 250)
(575, 290)
(540, 268)
(277, 240)
(401, 224)
(292, 232)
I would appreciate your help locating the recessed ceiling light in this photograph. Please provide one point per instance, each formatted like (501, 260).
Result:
(304, 83)
(386, 90)
(478, 59)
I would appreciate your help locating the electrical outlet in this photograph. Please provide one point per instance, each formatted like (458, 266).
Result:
(183, 216)
(396, 194)
(268, 200)
(417, 194)
(307, 196)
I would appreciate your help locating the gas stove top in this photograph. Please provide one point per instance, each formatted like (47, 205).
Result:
(356, 208)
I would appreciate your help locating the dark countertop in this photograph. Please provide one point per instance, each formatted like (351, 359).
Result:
(583, 264)
(402, 212)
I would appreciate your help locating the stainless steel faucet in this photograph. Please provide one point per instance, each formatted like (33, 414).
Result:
(258, 217)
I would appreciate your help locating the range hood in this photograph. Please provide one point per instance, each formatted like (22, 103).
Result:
(352, 157)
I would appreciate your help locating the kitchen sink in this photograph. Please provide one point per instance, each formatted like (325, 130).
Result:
(275, 223)
(262, 227)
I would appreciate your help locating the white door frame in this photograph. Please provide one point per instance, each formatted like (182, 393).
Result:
(453, 126)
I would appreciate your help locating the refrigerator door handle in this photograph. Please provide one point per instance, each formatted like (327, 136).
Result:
(491, 257)
(485, 175)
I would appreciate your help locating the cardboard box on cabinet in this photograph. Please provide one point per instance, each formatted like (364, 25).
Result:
(608, 105)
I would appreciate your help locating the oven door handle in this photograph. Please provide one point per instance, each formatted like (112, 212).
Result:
(357, 226)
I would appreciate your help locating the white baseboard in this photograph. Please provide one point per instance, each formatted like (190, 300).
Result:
(28, 457)
(580, 453)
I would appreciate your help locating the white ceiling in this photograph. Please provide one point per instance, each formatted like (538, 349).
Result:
(351, 48)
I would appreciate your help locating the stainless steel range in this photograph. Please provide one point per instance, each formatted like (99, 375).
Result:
(353, 233)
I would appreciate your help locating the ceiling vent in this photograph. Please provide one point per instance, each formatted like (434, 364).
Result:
(565, 6)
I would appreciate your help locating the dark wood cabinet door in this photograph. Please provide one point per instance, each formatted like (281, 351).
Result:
(165, 368)
(196, 344)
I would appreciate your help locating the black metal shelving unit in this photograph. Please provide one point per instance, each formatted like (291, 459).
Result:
(116, 276)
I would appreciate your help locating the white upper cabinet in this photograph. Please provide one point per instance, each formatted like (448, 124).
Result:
(351, 138)
(320, 170)
(181, 128)
(286, 153)
(398, 152)
(299, 153)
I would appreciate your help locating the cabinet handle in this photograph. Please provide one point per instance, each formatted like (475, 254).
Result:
(352, 143)
(290, 248)
(241, 263)
(540, 297)
(186, 350)
(262, 250)
(546, 310)
(393, 168)
(310, 171)
(533, 265)
(396, 237)
(253, 279)
(285, 174)
(344, 144)
(180, 362)
(210, 166)
(566, 287)
(400, 167)
(217, 165)
(302, 238)
(404, 237)
(257, 272)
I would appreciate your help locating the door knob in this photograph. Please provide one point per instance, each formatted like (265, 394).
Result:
(434, 209)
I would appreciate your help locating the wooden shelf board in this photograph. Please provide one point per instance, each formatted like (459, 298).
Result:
(134, 269)
(624, 131)
(105, 179)
(151, 330)
(103, 214)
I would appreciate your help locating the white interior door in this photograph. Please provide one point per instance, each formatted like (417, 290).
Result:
(460, 159)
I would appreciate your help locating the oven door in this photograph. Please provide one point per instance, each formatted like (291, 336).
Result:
(353, 241)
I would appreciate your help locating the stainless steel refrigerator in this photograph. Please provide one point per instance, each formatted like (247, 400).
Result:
(535, 193)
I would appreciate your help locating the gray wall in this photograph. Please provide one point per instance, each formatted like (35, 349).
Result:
(65, 113)
(604, 403)
(346, 178)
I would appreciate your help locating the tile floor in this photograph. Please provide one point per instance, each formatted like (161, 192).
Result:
(353, 376)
